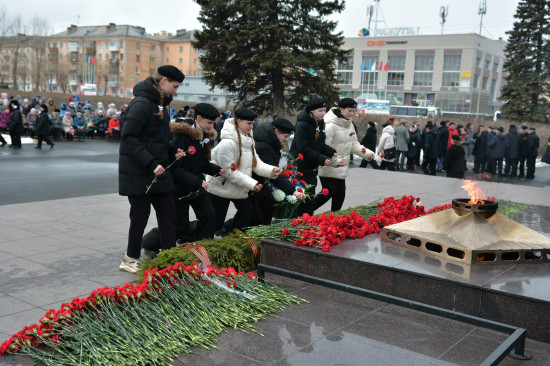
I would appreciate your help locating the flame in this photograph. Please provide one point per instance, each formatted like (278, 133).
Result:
(473, 191)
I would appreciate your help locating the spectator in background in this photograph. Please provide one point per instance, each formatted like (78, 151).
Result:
(511, 167)
(414, 147)
(114, 127)
(443, 139)
(467, 143)
(80, 127)
(68, 126)
(25, 107)
(173, 113)
(386, 142)
(420, 145)
(43, 127)
(56, 123)
(369, 141)
(454, 159)
(32, 117)
(90, 126)
(62, 110)
(498, 146)
(431, 149)
(71, 110)
(452, 132)
(5, 118)
(522, 151)
(480, 150)
(402, 144)
(51, 105)
(533, 142)
(100, 123)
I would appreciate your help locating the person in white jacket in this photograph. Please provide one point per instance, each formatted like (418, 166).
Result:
(340, 135)
(236, 153)
(386, 142)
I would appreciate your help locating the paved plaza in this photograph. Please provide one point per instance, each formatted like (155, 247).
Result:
(53, 249)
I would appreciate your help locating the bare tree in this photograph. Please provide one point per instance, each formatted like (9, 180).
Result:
(39, 29)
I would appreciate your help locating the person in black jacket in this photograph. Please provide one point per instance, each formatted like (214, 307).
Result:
(454, 159)
(369, 141)
(309, 142)
(16, 125)
(188, 174)
(533, 143)
(522, 151)
(414, 146)
(145, 153)
(510, 170)
(480, 150)
(431, 149)
(42, 128)
(270, 140)
(443, 140)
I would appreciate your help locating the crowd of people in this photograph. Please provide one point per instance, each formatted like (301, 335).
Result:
(449, 146)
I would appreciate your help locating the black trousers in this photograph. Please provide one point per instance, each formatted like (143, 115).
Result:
(43, 138)
(263, 209)
(306, 205)
(205, 213)
(511, 167)
(140, 209)
(521, 165)
(480, 164)
(429, 166)
(241, 219)
(336, 190)
(531, 167)
(3, 140)
(387, 164)
(15, 139)
(372, 163)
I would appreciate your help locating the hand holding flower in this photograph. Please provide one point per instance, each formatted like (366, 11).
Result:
(342, 163)
(277, 171)
(180, 153)
(299, 195)
(257, 187)
(159, 170)
(222, 171)
(204, 184)
(328, 162)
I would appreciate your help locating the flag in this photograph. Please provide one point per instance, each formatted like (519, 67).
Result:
(93, 60)
(362, 66)
(368, 66)
(386, 66)
(381, 65)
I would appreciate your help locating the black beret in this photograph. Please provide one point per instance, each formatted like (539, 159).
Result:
(316, 103)
(245, 114)
(501, 129)
(456, 138)
(430, 124)
(371, 123)
(524, 127)
(347, 103)
(44, 107)
(283, 125)
(442, 123)
(207, 111)
(532, 128)
(171, 72)
(15, 102)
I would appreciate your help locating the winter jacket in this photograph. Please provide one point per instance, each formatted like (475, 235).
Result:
(43, 125)
(414, 144)
(187, 173)
(67, 122)
(79, 123)
(55, 121)
(402, 137)
(480, 145)
(454, 162)
(236, 184)
(513, 143)
(16, 122)
(452, 132)
(315, 152)
(431, 145)
(467, 144)
(100, 123)
(532, 145)
(268, 148)
(114, 124)
(546, 156)
(522, 147)
(145, 144)
(31, 120)
(369, 140)
(443, 139)
(342, 137)
(386, 141)
(498, 146)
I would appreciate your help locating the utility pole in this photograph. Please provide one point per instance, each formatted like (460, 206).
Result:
(443, 13)
(482, 11)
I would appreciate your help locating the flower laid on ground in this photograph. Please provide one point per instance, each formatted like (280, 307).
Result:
(172, 310)
(190, 151)
(287, 204)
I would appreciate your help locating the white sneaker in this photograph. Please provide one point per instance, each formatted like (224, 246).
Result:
(129, 264)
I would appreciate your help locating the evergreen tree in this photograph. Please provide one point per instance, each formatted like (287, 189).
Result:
(274, 54)
(527, 63)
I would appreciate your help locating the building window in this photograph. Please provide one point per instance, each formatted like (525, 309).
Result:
(138, 58)
(485, 83)
(195, 73)
(99, 68)
(121, 68)
(476, 81)
(166, 61)
(61, 56)
(451, 70)
(153, 48)
(99, 45)
(106, 56)
(167, 49)
(487, 64)
(195, 61)
(99, 56)
(478, 61)
(61, 45)
(121, 44)
(153, 60)
(495, 67)
(180, 60)
(137, 70)
(369, 72)
(181, 48)
(121, 56)
(121, 79)
(423, 70)
(396, 70)
(344, 69)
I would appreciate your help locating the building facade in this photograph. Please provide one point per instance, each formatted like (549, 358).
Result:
(25, 57)
(458, 73)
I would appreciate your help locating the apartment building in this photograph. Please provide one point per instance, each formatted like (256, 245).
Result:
(178, 51)
(25, 57)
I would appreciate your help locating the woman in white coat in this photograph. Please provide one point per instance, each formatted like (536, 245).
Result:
(236, 153)
(386, 142)
(340, 135)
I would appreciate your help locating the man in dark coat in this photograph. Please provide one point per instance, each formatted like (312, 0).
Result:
(480, 150)
(145, 155)
(511, 167)
(533, 142)
(414, 146)
(454, 159)
(369, 141)
(16, 125)
(498, 146)
(431, 149)
(42, 128)
(443, 139)
(522, 151)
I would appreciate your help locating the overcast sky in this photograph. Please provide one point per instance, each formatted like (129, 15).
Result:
(170, 15)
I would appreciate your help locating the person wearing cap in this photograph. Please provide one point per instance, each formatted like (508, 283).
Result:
(309, 142)
(522, 151)
(369, 141)
(236, 148)
(431, 149)
(533, 143)
(341, 136)
(188, 173)
(511, 161)
(454, 159)
(271, 141)
(497, 146)
(15, 125)
(43, 128)
(144, 155)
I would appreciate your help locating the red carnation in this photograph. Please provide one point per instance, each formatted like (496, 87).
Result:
(285, 231)
(295, 181)
(325, 192)
(303, 182)
(290, 166)
(300, 156)
(351, 134)
(364, 150)
(233, 167)
(300, 190)
(192, 150)
(300, 174)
